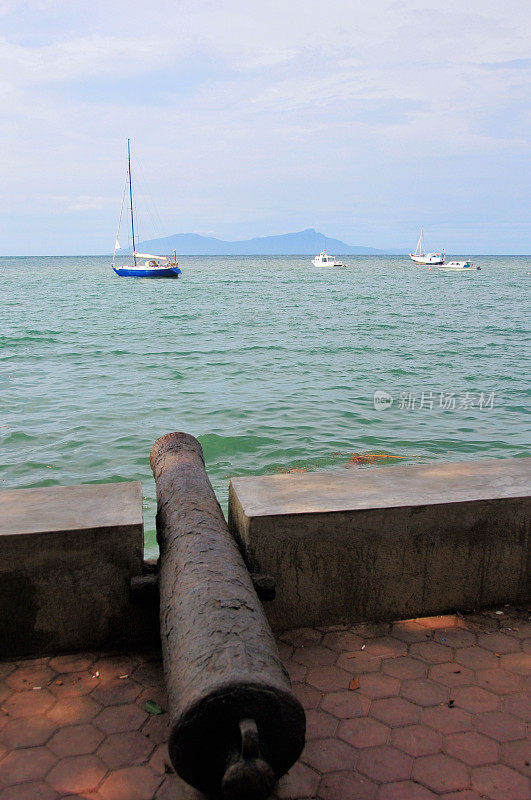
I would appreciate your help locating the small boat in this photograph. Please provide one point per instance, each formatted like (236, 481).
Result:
(458, 266)
(145, 265)
(324, 260)
(420, 256)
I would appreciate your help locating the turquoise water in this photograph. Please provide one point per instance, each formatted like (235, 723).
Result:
(271, 363)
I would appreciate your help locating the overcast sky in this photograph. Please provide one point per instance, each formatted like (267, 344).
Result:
(361, 119)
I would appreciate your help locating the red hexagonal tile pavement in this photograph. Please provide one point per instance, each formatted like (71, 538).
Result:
(409, 631)
(314, 656)
(375, 685)
(27, 764)
(475, 699)
(35, 790)
(160, 761)
(307, 695)
(472, 748)
(391, 715)
(347, 786)
(395, 711)
(111, 667)
(386, 647)
(343, 641)
(77, 774)
(359, 662)
(131, 783)
(517, 755)
(417, 740)
(441, 773)
(345, 704)
(500, 726)
(519, 663)
(116, 690)
(301, 781)
(72, 684)
(328, 679)
(455, 637)
(447, 720)
(498, 642)
(498, 782)
(424, 692)
(499, 681)
(74, 710)
(363, 732)
(75, 740)
(329, 755)
(26, 732)
(519, 705)
(432, 652)
(119, 718)
(28, 704)
(28, 678)
(404, 790)
(125, 749)
(297, 672)
(320, 724)
(451, 674)
(384, 764)
(404, 668)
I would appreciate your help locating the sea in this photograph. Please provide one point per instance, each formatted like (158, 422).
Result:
(274, 365)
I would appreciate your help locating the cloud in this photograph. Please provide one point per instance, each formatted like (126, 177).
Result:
(264, 111)
(86, 203)
(84, 57)
(515, 63)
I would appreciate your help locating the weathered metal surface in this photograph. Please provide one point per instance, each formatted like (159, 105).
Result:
(235, 724)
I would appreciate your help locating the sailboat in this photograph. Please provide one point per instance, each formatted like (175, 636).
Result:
(420, 256)
(145, 265)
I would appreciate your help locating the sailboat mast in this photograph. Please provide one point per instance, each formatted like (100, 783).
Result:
(131, 197)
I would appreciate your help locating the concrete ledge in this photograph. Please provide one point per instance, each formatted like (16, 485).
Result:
(67, 556)
(388, 543)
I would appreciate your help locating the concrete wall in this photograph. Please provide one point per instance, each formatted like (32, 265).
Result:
(67, 556)
(395, 542)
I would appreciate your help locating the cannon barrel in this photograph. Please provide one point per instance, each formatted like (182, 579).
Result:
(236, 726)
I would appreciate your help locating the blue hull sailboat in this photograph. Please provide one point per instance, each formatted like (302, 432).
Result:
(148, 272)
(145, 265)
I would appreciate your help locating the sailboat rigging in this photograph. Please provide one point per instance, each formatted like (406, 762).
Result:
(153, 266)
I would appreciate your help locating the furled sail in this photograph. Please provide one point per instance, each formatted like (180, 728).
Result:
(149, 256)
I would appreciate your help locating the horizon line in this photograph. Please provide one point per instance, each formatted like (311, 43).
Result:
(381, 253)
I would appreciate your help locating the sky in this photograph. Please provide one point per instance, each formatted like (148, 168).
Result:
(362, 120)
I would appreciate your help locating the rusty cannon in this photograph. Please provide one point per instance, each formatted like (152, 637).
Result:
(236, 726)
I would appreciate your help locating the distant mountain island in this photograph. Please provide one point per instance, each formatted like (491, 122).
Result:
(308, 242)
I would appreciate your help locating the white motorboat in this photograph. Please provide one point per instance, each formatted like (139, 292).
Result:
(324, 260)
(458, 266)
(420, 256)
